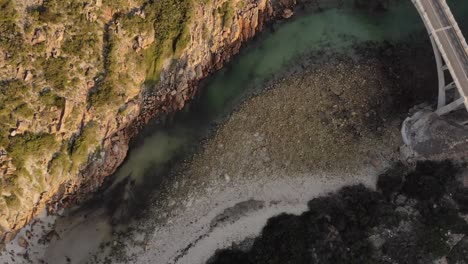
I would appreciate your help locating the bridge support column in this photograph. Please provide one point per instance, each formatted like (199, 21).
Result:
(442, 99)
(450, 107)
(442, 106)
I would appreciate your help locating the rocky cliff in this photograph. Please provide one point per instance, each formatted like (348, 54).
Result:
(79, 78)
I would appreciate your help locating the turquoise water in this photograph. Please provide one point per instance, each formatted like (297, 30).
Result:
(334, 30)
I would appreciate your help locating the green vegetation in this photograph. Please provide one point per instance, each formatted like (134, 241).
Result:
(24, 111)
(84, 144)
(103, 95)
(77, 45)
(55, 72)
(12, 94)
(12, 201)
(8, 11)
(169, 19)
(20, 148)
(182, 41)
(241, 5)
(60, 163)
(45, 13)
(30, 144)
(55, 78)
(49, 98)
(226, 11)
(11, 39)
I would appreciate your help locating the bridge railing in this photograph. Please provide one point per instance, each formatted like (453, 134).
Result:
(455, 26)
(432, 31)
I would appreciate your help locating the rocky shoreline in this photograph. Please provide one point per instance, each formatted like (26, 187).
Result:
(336, 118)
(284, 127)
(178, 85)
(171, 95)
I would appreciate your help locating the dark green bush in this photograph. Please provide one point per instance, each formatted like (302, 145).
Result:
(30, 144)
(84, 144)
(49, 98)
(226, 12)
(55, 72)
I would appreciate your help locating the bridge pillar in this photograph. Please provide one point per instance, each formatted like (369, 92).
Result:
(442, 106)
(442, 99)
(449, 99)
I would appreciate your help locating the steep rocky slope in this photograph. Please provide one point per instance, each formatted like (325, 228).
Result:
(79, 78)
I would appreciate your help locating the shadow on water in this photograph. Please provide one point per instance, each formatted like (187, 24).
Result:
(167, 141)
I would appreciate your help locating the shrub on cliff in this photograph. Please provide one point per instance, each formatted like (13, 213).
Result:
(226, 11)
(30, 144)
(85, 143)
(12, 95)
(169, 20)
(55, 72)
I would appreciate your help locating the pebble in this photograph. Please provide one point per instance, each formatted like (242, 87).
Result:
(22, 242)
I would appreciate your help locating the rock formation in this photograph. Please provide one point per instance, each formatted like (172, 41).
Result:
(79, 78)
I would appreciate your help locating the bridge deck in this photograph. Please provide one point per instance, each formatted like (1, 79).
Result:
(449, 39)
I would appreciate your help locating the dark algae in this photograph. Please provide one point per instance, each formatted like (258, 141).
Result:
(416, 215)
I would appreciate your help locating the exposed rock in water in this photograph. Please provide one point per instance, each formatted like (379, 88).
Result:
(429, 136)
(287, 13)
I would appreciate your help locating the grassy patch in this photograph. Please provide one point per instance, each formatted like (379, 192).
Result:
(30, 144)
(78, 44)
(49, 98)
(47, 12)
(12, 94)
(12, 201)
(11, 39)
(103, 95)
(55, 72)
(8, 11)
(24, 111)
(60, 164)
(84, 144)
(169, 19)
(226, 11)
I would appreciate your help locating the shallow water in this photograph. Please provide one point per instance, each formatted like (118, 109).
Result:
(334, 30)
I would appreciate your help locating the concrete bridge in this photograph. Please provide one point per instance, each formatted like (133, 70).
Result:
(451, 53)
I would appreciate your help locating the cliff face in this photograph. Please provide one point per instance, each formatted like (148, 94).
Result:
(79, 78)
